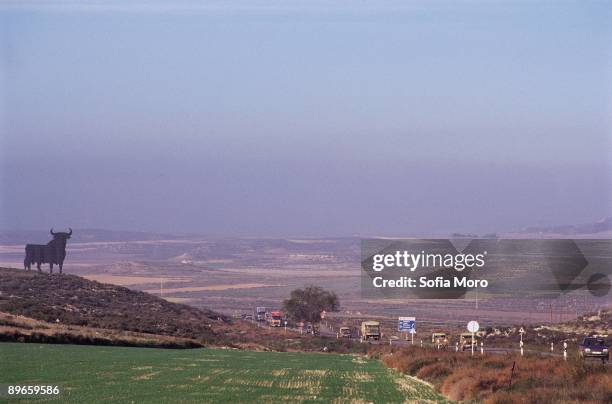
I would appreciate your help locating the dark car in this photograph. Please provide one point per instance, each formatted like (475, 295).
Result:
(594, 347)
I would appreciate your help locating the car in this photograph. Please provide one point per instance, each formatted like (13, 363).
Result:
(594, 347)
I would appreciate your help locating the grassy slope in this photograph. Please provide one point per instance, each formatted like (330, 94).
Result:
(77, 301)
(102, 374)
(23, 329)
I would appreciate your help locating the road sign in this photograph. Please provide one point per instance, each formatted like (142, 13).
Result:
(406, 324)
(323, 314)
(473, 326)
(522, 330)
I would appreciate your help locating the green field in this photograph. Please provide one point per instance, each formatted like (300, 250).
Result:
(102, 374)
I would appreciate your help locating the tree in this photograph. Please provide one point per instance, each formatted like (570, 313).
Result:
(308, 303)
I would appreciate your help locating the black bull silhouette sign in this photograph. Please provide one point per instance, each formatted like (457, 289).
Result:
(54, 252)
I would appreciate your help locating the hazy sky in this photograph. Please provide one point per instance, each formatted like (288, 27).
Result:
(305, 118)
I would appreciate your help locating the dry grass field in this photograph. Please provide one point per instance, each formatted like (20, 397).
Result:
(536, 378)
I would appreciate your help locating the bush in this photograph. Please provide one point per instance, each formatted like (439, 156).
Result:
(434, 372)
(536, 379)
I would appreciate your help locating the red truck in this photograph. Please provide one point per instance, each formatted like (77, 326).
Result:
(276, 319)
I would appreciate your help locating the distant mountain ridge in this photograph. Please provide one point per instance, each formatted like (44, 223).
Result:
(88, 235)
(603, 225)
(79, 236)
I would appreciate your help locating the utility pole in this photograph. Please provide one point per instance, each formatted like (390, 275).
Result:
(551, 313)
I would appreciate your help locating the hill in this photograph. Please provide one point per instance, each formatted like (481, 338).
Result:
(38, 307)
(15, 328)
(72, 300)
(588, 324)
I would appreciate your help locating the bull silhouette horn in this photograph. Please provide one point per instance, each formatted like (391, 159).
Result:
(69, 231)
(51, 231)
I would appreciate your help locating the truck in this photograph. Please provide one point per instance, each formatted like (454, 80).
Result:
(466, 341)
(345, 332)
(594, 347)
(260, 313)
(276, 319)
(439, 340)
(370, 330)
(312, 329)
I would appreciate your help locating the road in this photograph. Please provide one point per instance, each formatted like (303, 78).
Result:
(330, 332)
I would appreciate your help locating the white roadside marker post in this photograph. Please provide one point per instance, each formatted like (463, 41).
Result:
(456, 346)
(565, 350)
(481, 348)
(473, 341)
(552, 347)
(521, 345)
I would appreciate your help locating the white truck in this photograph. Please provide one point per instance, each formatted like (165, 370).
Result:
(261, 313)
(370, 330)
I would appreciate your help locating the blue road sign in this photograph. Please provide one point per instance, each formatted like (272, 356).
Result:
(407, 324)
